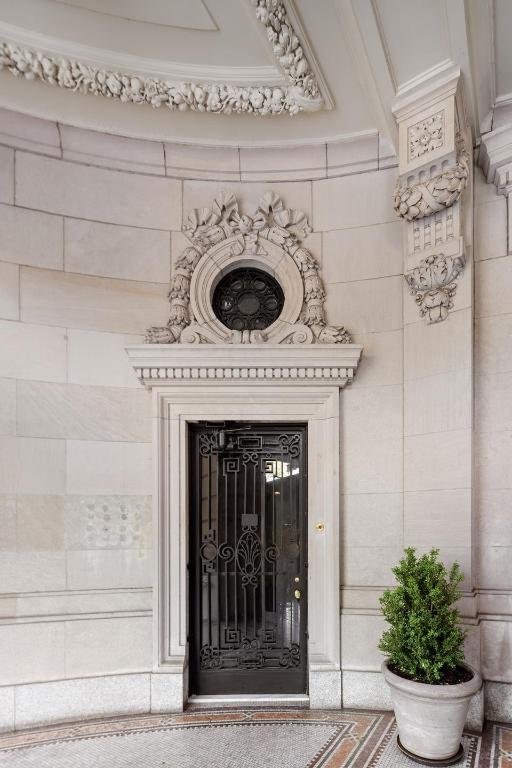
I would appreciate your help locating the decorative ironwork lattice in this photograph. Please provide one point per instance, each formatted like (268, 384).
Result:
(248, 299)
(248, 558)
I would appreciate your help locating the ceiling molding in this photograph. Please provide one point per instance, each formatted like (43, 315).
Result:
(439, 82)
(298, 28)
(368, 49)
(439, 72)
(457, 13)
(482, 15)
(158, 69)
(302, 92)
(381, 57)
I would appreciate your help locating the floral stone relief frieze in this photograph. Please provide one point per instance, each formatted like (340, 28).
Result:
(301, 93)
(222, 238)
(433, 285)
(425, 136)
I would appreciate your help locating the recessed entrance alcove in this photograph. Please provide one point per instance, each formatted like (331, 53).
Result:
(275, 384)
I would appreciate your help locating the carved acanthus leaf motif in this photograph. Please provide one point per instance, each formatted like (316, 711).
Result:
(301, 93)
(331, 334)
(433, 285)
(272, 221)
(161, 334)
(438, 193)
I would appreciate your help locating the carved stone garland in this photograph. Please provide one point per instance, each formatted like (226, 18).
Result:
(423, 199)
(223, 229)
(302, 93)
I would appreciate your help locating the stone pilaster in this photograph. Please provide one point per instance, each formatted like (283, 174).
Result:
(433, 198)
(435, 171)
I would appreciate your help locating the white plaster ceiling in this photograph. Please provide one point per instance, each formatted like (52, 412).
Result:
(138, 38)
(365, 53)
(416, 40)
(192, 14)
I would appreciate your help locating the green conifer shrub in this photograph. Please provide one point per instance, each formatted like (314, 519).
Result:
(424, 641)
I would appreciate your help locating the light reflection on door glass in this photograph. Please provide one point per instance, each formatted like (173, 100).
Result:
(280, 469)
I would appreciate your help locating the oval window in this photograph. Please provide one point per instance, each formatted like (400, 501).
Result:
(248, 299)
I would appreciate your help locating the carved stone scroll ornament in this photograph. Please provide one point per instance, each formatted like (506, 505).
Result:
(245, 236)
(437, 194)
(433, 285)
(302, 93)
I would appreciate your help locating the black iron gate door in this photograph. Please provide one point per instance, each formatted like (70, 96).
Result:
(248, 558)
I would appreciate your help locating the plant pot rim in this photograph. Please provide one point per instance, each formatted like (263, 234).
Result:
(429, 691)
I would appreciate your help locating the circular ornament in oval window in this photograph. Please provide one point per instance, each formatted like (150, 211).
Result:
(248, 299)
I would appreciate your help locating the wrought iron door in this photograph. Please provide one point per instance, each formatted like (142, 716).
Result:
(248, 549)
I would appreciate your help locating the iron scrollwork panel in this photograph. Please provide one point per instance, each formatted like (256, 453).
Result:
(248, 550)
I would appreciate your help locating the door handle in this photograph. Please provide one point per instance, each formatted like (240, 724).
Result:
(297, 594)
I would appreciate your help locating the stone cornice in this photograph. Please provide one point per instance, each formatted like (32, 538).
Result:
(430, 87)
(160, 364)
(495, 158)
(302, 92)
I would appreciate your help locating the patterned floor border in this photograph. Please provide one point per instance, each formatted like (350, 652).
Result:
(498, 745)
(354, 737)
(360, 739)
(387, 754)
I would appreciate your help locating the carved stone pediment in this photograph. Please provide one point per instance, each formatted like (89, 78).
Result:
(223, 237)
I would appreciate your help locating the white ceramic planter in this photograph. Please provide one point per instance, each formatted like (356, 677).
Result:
(431, 718)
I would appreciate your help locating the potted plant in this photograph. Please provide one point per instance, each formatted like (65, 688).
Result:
(431, 685)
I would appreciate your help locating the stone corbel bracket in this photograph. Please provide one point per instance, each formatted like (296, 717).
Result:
(436, 194)
(222, 237)
(433, 285)
(305, 89)
(435, 169)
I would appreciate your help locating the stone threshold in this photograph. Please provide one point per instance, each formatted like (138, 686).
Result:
(247, 700)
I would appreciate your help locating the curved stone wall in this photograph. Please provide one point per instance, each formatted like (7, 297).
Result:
(89, 228)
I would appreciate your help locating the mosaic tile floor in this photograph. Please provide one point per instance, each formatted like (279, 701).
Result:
(236, 739)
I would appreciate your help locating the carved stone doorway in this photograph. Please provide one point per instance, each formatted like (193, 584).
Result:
(210, 362)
